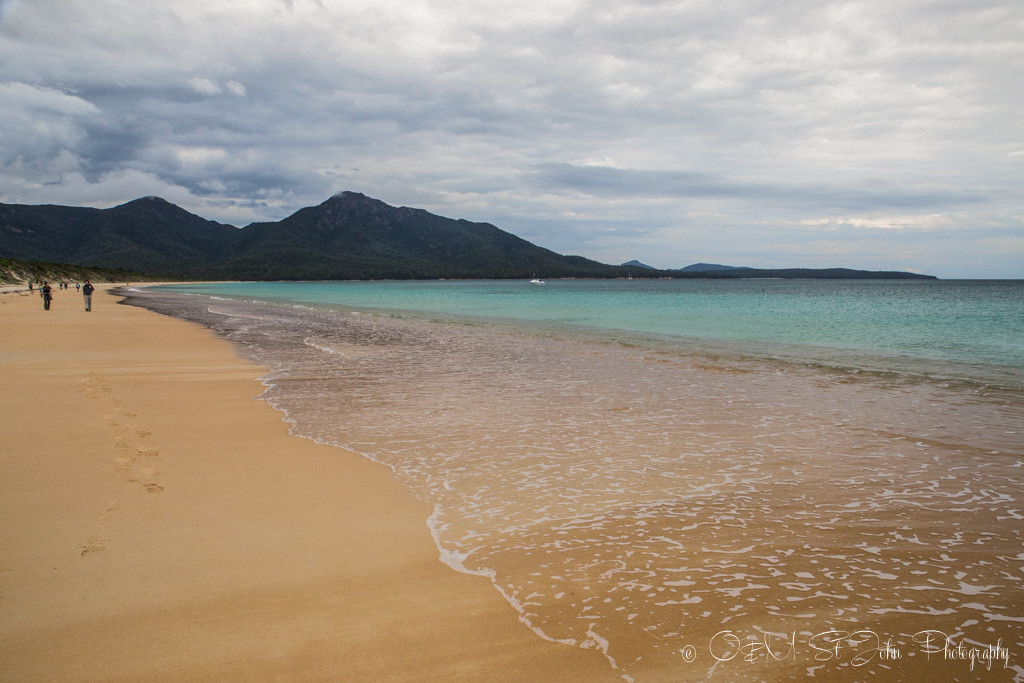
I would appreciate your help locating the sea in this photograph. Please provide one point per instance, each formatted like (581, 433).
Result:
(703, 480)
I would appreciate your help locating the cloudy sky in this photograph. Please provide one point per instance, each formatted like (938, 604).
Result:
(877, 134)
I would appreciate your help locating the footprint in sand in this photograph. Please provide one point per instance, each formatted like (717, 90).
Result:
(111, 508)
(94, 545)
(154, 488)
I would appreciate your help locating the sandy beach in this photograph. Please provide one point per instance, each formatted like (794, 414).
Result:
(158, 523)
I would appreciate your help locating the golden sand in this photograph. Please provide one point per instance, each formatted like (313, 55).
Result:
(158, 523)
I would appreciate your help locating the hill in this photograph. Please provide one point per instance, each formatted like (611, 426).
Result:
(352, 236)
(800, 273)
(13, 270)
(637, 264)
(145, 235)
(349, 236)
(705, 267)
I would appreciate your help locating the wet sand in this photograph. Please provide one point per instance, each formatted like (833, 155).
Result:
(157, 523)
(673, 508)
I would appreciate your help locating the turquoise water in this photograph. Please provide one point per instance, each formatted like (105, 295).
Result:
(966, 329)
(642, 466)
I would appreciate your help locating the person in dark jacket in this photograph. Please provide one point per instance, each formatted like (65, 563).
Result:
(47, 293)
(87, 290)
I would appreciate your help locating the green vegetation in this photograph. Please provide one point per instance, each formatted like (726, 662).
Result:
(14, 271)
(348, 237)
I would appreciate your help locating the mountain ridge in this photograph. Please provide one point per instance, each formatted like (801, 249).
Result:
(705, 267)
(348, 236)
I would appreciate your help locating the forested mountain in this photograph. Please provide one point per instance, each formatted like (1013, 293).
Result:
(349, 236)
(353, 236)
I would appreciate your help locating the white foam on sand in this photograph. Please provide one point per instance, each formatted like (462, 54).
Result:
(643, 490)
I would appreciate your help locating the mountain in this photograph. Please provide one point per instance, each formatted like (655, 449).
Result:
(806, 273)
(349, 236)
(352, 236)
(704, 267)
(147, 235)
(636, 264)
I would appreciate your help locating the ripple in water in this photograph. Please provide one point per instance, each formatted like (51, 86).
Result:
(692, 517)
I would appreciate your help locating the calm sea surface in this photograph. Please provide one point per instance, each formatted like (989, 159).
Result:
(976, 327)
(705, 480)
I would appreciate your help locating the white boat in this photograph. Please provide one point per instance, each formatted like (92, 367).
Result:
(536, 281)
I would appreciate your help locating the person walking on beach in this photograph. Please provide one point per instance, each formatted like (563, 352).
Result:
(87, 290)
(47, 293)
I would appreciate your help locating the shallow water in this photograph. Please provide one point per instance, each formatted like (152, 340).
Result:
(671, 502)
(939, 328)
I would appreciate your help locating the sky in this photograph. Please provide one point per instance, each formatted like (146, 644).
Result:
(872, 134)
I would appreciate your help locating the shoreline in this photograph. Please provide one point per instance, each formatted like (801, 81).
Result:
(777, 503)
(159, 523)
(847, 347)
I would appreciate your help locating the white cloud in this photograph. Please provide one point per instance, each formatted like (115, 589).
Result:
(903, 222)
(107, 190)
(41, 128)
(38, 99)
(204, 86)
